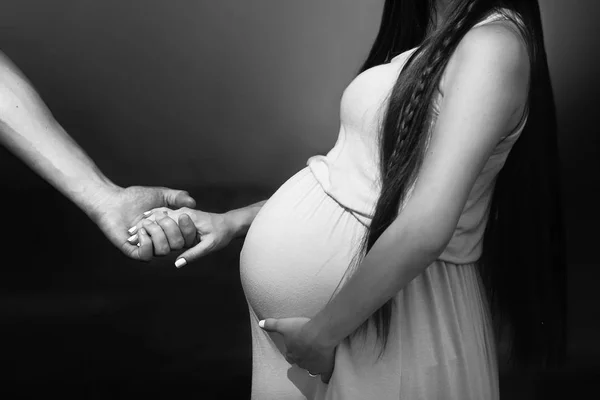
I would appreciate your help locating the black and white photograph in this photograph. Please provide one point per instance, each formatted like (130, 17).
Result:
(299, 200)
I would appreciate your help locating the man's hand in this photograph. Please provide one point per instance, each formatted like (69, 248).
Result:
(117, 209)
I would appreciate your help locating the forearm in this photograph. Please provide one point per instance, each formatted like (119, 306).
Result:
(28, 129)
(241, 218)
(397, 257)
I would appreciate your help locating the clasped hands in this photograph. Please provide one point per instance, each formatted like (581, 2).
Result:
(163, 229)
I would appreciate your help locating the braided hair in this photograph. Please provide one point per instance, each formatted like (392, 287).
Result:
(404, 136)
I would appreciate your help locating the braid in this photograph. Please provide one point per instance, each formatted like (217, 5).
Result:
(406, 118)
(404, 122)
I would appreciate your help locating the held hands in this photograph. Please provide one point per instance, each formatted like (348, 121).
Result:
(199, 231)
(114, 210)
(301, 347)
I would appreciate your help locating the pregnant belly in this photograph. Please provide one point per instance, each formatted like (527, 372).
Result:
(297, 250)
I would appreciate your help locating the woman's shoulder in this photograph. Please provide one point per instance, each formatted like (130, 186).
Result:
(490, 57)
(504, 22)
(494, 46)
(496, 38)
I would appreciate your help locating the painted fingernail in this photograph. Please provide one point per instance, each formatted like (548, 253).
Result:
(180, 263)
(131, 239)
(132, 230)
(139, 244)
(261, 323)
(147, 213)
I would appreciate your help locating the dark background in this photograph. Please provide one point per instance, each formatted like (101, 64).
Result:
(226, 99)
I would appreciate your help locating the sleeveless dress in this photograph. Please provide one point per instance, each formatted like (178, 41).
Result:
(441, 344)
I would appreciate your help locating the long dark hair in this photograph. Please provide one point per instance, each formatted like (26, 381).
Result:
(522, 265)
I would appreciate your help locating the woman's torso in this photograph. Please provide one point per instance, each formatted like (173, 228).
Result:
(349, 172)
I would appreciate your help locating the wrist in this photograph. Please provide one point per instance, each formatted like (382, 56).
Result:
(241, 218)
(318, 335)
(236, 222)
(96, 197)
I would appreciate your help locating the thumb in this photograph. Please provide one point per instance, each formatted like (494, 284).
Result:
(141, 252)
(194, 253)
(176, 199)
(269, 324)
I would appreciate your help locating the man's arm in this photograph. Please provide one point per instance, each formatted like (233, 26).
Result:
(28, 129)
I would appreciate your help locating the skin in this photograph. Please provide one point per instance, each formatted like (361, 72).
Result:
(485, 91)
(29, 130)
(204, 232)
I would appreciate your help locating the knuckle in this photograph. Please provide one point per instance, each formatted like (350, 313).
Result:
(191, 216)
(161, 250)
(166, 222)
(184, 218)
(189, 231)
(147, 223)
(178, 243)
(161, 213)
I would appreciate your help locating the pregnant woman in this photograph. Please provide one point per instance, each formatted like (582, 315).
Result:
(391, 265)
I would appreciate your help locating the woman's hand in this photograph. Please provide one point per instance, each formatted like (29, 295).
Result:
(202, 232)
(301, 347)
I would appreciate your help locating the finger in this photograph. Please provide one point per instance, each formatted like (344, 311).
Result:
(188, 230)
(201, 249)
(159, 239)
(177, 198)
(144, 250)
(133, 239)
(131, 250)
(152, 216)
(269, 325)
(171, 231)
(148, 215)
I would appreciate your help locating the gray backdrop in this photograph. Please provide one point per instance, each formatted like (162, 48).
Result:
(193, 93)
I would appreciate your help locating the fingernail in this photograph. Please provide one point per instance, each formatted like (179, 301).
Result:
(132, 230)
(147, 213)
(261, 323)
(131, 239)
(143, 231)
(180, 263)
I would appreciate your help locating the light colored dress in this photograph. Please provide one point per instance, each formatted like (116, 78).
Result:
(441, 344)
